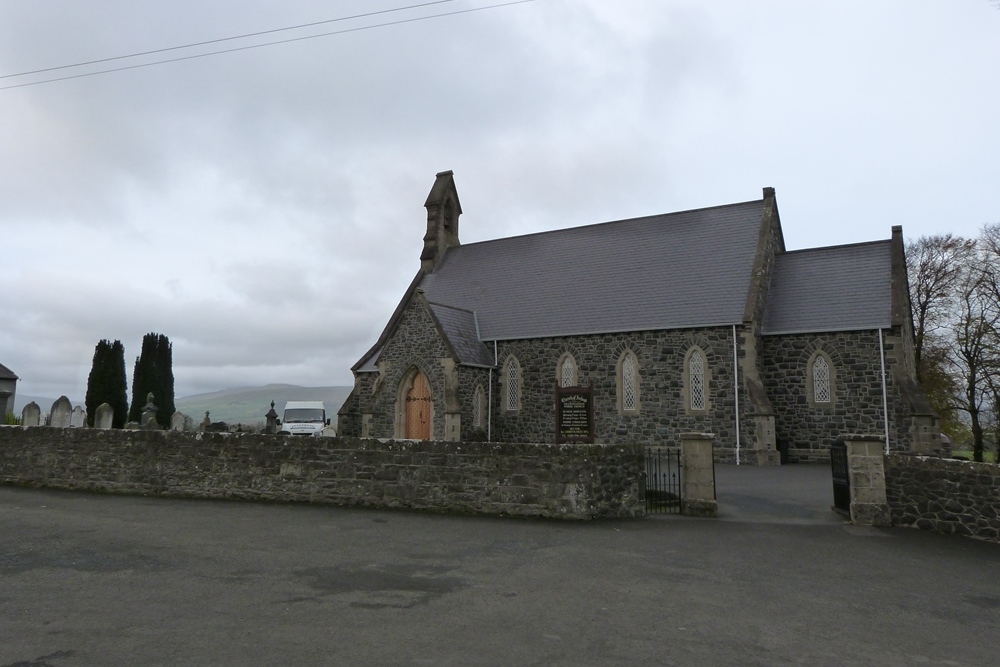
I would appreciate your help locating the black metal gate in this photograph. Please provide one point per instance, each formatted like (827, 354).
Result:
(841, 477)
(663, 481)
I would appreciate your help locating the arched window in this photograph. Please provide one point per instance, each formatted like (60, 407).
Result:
(696, 380)
(512, 385)
(567, 371)
(628, 382)
(821, 389)
(477, 407)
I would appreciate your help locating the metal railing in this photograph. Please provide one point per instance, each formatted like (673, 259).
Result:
(663, 481)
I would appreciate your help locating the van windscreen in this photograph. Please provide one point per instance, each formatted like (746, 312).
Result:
(304, 416)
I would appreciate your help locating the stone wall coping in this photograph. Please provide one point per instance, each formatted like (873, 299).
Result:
(862, 437)
(697, 436)
(944, 460)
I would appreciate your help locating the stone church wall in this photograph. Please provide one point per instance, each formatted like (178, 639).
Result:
(554, 481)
(469, 378)
(349, 414)
(416, 342)
(857, 405)
(662, 415)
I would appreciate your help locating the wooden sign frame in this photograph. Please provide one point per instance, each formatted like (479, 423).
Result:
(575, 414)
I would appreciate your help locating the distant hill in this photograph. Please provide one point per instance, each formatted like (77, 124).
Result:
(44, 404)
(241, 405)
(248, 405)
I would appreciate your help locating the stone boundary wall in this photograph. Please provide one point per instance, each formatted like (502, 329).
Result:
(946, 495)
(556, 481)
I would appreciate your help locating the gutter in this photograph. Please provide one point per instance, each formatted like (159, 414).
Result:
(736, 394)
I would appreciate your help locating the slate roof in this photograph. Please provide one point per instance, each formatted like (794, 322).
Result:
(460, 328)
(367, 364)
(838, 288)
(6, 373)
(676, 270)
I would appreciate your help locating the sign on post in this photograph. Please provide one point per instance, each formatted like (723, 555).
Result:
(575, 414)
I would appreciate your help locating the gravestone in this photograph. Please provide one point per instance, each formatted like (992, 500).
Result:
(61, 414)
(31, 415)
(104, 417)
(177, 421)
(148, 419)
(78, 418)
(271, 426)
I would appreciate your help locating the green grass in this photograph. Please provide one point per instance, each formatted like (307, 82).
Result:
(988, 457)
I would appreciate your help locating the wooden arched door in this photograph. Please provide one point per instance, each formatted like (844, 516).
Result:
(418, 408)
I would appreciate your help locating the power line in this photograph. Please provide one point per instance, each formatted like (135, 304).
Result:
(223, 39)
(253, 46)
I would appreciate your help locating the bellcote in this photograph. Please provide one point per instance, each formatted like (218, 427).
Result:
(443, 211)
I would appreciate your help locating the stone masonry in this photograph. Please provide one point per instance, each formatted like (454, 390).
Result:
(661, 416)
(944, 495)
(555, 481)
(856, 407)
(759, 328)
(417, 344)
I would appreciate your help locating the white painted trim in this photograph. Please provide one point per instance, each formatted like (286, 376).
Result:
(489, 420)
(736, 393)
(885, 398)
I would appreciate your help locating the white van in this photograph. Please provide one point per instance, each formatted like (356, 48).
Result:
(303, 418)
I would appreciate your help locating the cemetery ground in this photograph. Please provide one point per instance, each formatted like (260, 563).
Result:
(778, 579)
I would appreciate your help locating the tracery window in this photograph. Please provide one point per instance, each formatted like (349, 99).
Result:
(629, 382)
(512, 386)
(696, 380)
(477, 408)
(567, 372)
(821, 380)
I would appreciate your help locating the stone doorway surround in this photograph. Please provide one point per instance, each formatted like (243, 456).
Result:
(417, 408)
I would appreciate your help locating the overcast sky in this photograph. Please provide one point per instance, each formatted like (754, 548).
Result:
(263, 208)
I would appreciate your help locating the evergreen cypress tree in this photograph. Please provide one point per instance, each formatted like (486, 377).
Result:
(106, 383)
(118, 394)
(142, 378)
(97, 385)
(154, 373)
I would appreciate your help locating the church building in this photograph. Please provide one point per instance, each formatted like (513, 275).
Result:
(695, 321)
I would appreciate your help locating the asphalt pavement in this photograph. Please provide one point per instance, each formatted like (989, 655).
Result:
(778, 579)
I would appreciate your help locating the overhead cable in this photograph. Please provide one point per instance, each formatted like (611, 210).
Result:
(252, 46)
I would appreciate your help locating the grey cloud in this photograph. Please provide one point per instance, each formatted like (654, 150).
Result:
(264, 208)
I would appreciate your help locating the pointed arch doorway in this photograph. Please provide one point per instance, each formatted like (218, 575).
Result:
(417, 408)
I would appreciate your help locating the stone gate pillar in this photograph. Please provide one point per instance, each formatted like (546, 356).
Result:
(866, 468)
(698, 475)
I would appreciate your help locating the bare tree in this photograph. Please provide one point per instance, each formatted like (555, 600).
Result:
(935, 266)
(976, 347)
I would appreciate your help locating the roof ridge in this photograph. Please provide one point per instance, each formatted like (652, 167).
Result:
(837, 247)
(613, 222)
